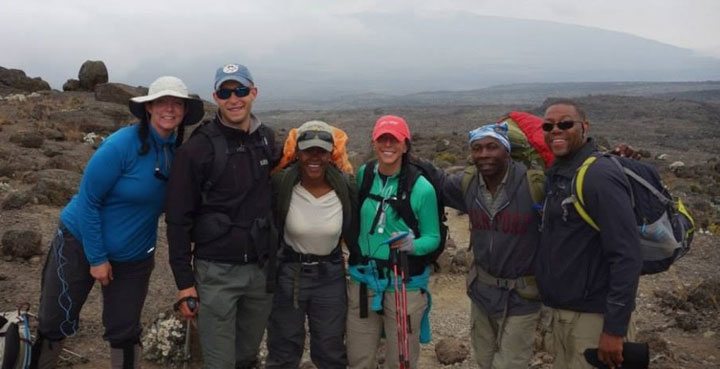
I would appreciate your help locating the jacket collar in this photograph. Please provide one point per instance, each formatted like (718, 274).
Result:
(567, 166)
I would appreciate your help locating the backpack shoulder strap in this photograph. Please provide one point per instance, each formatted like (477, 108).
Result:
(536, 182)
(267, 138)
(367, 179)
(469, 174)
(220, 153)
(408, 176)
(577, 192)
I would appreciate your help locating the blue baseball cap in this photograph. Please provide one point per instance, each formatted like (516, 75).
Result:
(233, 72)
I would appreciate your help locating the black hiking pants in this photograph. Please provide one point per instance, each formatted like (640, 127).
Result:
(66, 283)
(322, 298)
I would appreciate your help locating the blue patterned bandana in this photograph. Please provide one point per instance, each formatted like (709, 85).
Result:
(494, 130)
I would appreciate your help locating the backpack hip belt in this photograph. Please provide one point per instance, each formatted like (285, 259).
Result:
(517, 284)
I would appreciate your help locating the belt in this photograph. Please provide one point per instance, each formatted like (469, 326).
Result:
(290, 256)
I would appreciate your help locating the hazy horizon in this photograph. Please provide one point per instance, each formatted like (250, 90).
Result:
(322, 49)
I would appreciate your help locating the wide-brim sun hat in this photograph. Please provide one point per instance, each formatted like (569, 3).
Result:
(169, 86)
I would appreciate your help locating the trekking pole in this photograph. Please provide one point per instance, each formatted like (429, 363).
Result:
(192, 305)
(407, 329)
(400, 311)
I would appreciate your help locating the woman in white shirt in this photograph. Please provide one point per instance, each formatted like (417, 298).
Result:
(315, 208)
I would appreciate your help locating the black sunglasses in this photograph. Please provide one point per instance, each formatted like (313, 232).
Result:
(224, 93)
(564, 125)
(322, 135)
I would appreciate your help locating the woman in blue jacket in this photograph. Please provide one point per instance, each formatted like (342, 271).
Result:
(107, 232)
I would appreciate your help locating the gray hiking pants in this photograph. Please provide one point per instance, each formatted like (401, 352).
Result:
(66, 283)
(322, 298)
(234, 309)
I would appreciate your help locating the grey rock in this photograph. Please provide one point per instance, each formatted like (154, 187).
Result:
(442, 145)
(21, 243)
(100, 118)
(72, 85)
(31, 140)
(62, 162)
(16, 81)
(117, 93)
(451, 350)
(92, 72)
(54, 186)
(53, 134)
(16, 200)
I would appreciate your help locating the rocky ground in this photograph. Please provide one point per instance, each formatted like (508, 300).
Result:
(46, 138)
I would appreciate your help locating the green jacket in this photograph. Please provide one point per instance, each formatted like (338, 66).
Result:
(423, 201)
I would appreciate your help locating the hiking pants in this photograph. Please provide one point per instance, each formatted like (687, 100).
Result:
(233, 313)
(572, 332)
(516, 344)
(66, 283)
(363, 334)
(322, 298)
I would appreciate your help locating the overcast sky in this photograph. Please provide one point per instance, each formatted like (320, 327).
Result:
(51, 38)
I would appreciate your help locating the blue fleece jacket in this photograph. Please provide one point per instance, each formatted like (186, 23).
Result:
(115, 212)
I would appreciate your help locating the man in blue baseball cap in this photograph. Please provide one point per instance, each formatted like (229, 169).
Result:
(219, 224)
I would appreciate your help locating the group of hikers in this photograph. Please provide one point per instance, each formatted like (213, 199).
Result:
(251, 250)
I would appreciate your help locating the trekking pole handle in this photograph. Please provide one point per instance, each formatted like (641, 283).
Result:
(192, 303)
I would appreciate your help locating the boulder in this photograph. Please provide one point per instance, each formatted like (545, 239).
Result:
(62, 162)
(53, 134)
(676, 165)
(92, 72)
(452, 350)
(54, 186)
(16, 200)
(117, 93)
(461, 261)
(15, 81)
(72, 85)
(706, 296)
(32, 140)
(100, 117)
(21, 244)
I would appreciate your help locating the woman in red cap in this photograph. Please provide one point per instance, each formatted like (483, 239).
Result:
(386, 185)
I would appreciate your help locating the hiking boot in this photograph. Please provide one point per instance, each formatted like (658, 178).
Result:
(45, 353)
(127, 357)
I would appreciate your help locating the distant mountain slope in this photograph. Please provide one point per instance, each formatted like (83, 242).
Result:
(402, 54)
(519, 94)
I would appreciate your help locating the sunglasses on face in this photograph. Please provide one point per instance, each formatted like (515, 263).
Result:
(224, 93)
(322, 135)
(564, 125)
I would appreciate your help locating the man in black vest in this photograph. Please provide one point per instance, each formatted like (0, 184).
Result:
(219, 223)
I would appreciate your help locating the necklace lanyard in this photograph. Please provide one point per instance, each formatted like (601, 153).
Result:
(381, 208)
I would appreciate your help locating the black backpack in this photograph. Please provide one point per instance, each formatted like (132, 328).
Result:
(666, 227)
(409, 173)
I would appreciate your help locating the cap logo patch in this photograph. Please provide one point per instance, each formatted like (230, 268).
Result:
(230, 68)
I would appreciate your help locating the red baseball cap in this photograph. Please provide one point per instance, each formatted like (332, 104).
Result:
(393, 125)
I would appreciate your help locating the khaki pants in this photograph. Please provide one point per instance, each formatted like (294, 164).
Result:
(363, 335)
(572, 332)
(516, 343)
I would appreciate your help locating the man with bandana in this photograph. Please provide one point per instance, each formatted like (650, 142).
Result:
(501, 198)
